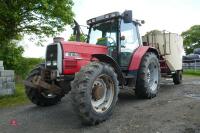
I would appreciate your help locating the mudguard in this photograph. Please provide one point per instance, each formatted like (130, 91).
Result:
(138, 55)
(109, 60)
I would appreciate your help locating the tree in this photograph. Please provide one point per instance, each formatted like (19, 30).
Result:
(40, 17)
(83, 38)
(13, 59)
(12, 56)
(191, 38)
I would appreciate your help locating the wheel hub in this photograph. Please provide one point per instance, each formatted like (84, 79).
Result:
(152, 76)
(98, 91)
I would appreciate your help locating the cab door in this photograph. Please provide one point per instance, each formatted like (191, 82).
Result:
(129, 41)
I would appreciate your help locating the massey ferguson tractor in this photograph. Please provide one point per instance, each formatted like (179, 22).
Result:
(113, 58)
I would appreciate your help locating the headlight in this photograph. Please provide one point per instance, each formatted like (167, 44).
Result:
(54, 63)
(72, 54)
(48, 63)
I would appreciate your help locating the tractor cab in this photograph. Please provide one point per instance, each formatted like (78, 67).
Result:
(118, 32)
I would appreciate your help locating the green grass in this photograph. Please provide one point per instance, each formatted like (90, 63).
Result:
(192, 72)
(19, 98)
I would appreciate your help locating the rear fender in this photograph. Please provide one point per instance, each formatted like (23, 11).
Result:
(109, 60)
(138, 55)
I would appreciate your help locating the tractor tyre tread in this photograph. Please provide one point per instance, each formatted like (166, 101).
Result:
(142, 89)
(35, 96)
(81, 93)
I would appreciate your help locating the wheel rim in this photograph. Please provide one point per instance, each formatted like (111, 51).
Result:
(152, 76)
(102, 93)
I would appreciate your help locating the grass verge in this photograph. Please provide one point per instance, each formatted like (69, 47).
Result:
(192, 72)
(19, 98)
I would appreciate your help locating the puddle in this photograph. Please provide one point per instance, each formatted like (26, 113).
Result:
(195, 96)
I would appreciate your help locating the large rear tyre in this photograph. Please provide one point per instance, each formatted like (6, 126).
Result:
(95, 92)
(38, 97)
(148, 78)
(177, 77)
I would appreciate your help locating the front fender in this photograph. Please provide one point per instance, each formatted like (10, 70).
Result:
(109, 60)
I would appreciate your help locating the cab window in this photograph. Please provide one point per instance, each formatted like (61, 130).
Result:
(129, 42)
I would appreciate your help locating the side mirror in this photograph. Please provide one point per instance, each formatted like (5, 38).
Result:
(127, 16)
(122, 38)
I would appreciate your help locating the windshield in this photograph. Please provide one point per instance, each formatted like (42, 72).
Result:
(104, 33)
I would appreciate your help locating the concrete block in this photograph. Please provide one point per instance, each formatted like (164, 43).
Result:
(1, 68)
(7, 84)
(7, 92)
(1, 63)
(10, 85)
(10, 79)
(7, 73)
(3, 85)
(7, 88)
(3, 79)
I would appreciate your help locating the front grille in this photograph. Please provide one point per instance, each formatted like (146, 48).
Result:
(51, 56)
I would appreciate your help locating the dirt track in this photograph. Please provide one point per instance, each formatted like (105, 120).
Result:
(174, 110)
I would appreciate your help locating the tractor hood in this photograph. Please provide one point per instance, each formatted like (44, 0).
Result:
(83, 48)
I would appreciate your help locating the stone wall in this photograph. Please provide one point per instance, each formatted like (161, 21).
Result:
(7, 83)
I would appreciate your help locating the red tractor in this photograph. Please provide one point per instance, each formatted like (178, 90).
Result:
(112, 59)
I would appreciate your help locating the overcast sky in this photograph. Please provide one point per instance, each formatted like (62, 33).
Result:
(171, 15)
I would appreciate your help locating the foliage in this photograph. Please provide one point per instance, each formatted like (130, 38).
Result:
(18, 98)
(191, 38)
(40, 17)
(11, 55)
(25, 65)
(13, 59)
(83, 38)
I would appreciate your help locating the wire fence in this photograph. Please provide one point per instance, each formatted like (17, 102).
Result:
(193, 64)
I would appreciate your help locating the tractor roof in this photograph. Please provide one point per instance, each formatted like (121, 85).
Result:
(126, 16)
(103, 18)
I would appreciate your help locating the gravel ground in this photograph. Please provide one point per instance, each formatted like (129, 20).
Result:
(175, 110)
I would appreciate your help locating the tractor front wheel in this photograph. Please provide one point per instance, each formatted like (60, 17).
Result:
(38, 97)
(95, 92)
(148, 79)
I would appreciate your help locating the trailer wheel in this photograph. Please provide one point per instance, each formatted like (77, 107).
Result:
(95, 92)
(148, 78)
(177, 77)
(37, 97)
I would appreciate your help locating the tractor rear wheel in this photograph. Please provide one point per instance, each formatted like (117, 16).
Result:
(148, 78)
(95, 92)
(177, 77)
(38, 97)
